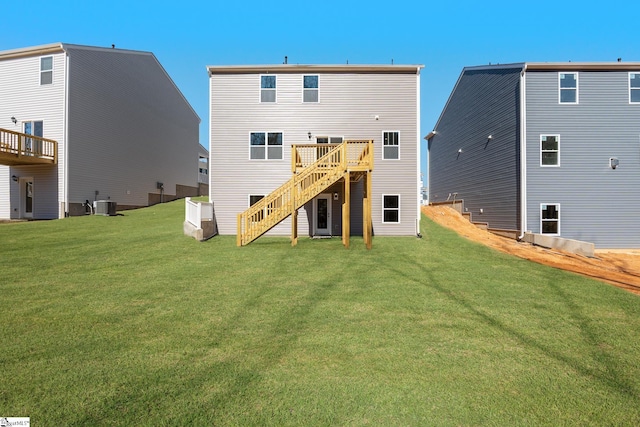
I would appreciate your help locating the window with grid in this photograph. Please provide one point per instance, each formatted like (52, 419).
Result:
(391, 145)
(266, 146)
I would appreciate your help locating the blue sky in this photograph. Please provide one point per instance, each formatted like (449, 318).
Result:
(444, 36)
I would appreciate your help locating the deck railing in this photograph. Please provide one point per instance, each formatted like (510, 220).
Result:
(21, 148)
(196, 212)
(315, 169)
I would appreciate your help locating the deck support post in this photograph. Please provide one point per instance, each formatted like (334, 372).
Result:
(346, 210)
(366, 210)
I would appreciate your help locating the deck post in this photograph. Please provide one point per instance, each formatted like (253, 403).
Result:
(239, 235)
(346, 210)
(366, 210)
(294, 215)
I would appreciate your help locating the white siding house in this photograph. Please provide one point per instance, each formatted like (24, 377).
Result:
(121, 124)
(257, 113)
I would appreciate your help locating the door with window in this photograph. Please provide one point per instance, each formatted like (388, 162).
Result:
(34, 128)
(26, 197)
(322, 215)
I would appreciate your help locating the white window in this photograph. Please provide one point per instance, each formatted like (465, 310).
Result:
(391, 208)
(46, 70)
(549, 150)
(568, 87)
(310, 89)
(634, 88)
(267, 88)
(266, 146)
(391, 145)
(550, 218)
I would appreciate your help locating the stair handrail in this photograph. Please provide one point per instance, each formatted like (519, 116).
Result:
(302, 187)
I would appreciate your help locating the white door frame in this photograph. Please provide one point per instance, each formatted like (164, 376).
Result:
(26, 211)
(322, 231)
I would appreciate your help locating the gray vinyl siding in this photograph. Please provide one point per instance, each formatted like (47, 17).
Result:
(348, 104)
(129, 128)
(23, 97)
(485, 174)
(597, 204)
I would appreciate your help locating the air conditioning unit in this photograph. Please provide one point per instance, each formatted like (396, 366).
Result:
(105, 207)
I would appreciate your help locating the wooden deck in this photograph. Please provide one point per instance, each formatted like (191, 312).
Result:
(315, 168)
(22, 149)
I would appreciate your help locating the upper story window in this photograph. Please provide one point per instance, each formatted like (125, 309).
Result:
(266, 146)
(310, 89)
(634, 88)
(267, 88)
(549, 150)
(391, 145)
(46, 70)
(568, 86)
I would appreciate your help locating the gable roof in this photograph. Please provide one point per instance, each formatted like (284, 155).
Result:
(66, 47)
(540, 66)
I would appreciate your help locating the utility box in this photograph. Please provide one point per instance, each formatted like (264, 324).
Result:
(106, 207)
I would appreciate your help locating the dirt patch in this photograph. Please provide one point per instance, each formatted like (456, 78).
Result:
(619, 268)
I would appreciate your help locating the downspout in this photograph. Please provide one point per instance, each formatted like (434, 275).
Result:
(523, 153)
(65, 137)
(418, 193)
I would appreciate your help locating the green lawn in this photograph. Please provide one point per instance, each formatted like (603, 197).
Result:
(125, 321)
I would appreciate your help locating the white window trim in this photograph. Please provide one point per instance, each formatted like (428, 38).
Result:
(266, 144)
(274, 89)
(399, 139)
(46, 71)
(249, 196)
(558, 220)
(303, 89)
(577, 89)
(637, 73)
(550, 166)
(399, 209)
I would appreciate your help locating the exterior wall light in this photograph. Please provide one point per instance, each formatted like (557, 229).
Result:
(14, 178)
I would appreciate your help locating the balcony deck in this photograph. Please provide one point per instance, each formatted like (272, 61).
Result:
(22, 149)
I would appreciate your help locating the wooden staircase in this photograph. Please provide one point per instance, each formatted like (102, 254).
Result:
(23, 149)
(315, 168)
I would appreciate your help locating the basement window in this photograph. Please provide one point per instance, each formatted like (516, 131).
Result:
(391, 208)
(550, 218)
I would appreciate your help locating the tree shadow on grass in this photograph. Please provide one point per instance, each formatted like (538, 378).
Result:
(608, 373)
